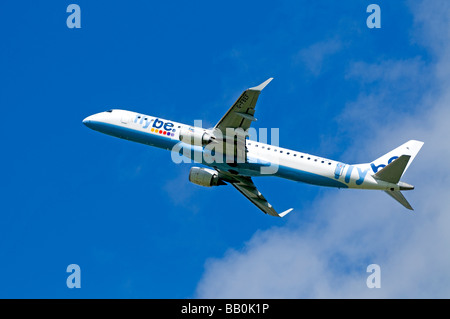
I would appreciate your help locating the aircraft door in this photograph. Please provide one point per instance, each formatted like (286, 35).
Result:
(125, 118)
(339, 169)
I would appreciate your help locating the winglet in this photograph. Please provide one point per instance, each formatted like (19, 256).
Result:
(261, 86)
(285, 212)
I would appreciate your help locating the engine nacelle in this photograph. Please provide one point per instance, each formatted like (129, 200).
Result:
(196, 136)
(205, 177)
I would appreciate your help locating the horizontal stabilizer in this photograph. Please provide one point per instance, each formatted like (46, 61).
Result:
(398, 196)
(394, 171)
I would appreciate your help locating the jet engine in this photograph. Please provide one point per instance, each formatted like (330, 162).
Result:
(205, 177)
(196, 136)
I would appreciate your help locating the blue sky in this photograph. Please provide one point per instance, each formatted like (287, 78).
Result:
(129, 217)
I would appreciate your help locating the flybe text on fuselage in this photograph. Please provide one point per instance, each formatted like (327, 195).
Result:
(155, 125)
(145, 121)
(340, 167)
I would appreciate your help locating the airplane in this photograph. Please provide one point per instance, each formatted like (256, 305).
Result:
(232, 158)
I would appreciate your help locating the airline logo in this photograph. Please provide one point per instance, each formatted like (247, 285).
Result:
(156, 126)
(361, 173)
(340, 169)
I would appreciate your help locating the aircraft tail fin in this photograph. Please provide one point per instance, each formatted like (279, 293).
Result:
(410, 148)
(392, 174)
(398, 161)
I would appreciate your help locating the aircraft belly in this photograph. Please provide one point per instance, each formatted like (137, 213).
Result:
(291, 169)
(135, 135)
(308, 177)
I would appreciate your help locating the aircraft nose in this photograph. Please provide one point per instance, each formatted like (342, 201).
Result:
(87, 121)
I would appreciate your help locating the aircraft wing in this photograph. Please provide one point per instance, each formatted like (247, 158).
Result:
(244, 184)
(241, 113)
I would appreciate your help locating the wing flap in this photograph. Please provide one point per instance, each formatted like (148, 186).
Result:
(246, 187)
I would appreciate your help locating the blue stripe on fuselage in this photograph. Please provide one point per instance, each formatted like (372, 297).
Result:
(284, 172)
(307, 177)
(250, 169)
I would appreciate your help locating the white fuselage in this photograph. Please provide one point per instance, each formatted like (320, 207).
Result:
(262, 159)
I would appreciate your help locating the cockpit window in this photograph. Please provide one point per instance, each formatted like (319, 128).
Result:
(109, 111)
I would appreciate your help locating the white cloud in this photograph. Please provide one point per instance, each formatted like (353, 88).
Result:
(327, 258)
